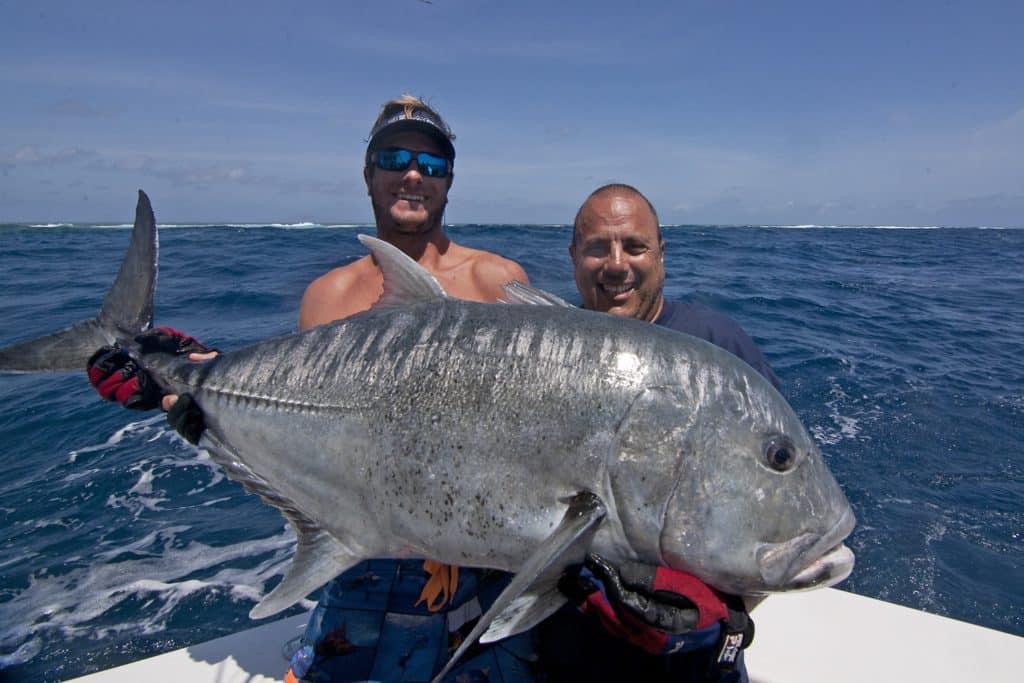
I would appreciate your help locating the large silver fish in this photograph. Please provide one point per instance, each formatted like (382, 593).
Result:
(517, 437)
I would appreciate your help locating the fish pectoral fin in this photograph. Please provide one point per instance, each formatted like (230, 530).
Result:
(318, 559)
(535, 605)
(533, 595)
(405, 281)
(518, 293)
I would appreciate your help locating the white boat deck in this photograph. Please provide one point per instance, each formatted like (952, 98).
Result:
(823, 635)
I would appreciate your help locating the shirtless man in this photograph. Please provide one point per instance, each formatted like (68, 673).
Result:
(408, 199)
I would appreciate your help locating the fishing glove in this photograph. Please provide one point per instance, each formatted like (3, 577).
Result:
(187, 418)
(165, 339)
(117, 376)
(658, 609)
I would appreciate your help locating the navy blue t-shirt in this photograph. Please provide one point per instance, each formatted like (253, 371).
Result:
(700, 321)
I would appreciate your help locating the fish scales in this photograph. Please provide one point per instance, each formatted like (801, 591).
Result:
(473, 408)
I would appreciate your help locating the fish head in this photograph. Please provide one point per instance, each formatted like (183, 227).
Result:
(723, 481)
(755, 508)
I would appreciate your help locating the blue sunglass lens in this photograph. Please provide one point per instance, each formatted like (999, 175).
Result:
(432, 165)
(394, 159)
(397, 159)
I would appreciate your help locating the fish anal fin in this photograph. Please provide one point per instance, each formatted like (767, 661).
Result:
(532, 594)
(318, 559)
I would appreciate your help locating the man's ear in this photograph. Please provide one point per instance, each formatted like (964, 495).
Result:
(572, 251)
(368, 177)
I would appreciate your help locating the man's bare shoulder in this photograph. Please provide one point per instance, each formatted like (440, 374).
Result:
(340, 292)
(490, 267)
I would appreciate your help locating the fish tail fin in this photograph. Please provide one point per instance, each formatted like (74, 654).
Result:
(127, 310)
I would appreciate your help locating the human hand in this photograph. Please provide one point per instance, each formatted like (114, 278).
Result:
(165, 339)
(116, 376)
(658, 609)
(185, 415)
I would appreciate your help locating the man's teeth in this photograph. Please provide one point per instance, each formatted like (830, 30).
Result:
(411, 197)
(617, 289)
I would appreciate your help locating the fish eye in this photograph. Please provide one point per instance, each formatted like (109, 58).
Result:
(780, 454)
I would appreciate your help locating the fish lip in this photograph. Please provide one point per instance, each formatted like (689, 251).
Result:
(809, 560)
(829, 569)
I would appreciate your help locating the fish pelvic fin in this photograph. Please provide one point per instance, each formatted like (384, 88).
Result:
(518, 293)
(405, 281)
(127, 310)
(533, 593)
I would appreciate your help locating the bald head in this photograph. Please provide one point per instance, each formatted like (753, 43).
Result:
(619, 189)
(618, 253)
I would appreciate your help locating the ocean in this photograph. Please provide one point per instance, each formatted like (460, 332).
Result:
(901, 349)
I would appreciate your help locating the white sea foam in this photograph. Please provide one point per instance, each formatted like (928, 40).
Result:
(156, 573)
(117, 437)
(841, 407)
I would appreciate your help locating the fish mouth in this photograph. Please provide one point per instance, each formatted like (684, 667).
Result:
(829, 569)
(809, 560)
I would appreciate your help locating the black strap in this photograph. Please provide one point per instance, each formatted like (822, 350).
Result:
(737, 635)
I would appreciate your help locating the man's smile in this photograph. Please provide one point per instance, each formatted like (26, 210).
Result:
(618, 290)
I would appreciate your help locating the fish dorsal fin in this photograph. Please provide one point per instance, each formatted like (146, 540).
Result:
(405, 281)
(533, 595)
(518, 293)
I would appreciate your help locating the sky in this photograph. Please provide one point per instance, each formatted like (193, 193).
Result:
(765, 113)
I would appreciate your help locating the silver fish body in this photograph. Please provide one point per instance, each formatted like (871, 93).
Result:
(457, 430)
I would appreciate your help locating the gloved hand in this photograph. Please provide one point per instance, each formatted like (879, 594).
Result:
(658, 609)
(117, 376)
(165, 339)
(186, 417)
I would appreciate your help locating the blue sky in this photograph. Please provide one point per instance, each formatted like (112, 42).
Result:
(891, 113)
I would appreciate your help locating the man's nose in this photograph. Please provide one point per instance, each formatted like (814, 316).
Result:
(413, 171)
(616, 260)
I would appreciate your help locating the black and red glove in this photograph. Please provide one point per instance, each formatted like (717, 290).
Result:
(165, 339)
(658, 609)
(117, 376)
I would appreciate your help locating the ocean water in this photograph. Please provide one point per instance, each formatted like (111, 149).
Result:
(901, 349)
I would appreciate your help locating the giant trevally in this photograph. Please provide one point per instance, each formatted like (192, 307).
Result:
(516, 437)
